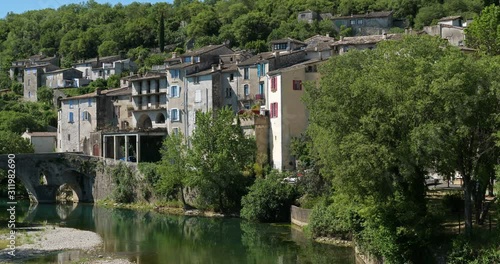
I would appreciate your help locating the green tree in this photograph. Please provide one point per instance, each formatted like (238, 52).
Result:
(45, 95)
(219, 154)
(113, 81)
(377, 134)
(269, 199)
(13, 143)
(108, 48)
(18, 122)
(483, 32)
(173, 168)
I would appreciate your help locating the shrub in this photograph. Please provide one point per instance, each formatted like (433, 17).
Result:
(125, 183)
(453, 201)
(462, 252)
(325, 221)
(269, 199)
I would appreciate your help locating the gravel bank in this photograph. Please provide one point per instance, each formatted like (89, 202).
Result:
(38, 242)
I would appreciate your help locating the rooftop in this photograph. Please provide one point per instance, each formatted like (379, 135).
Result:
(202, 50)
(287, 40)
(41, 134)
(361, 40)
(369, 15)
(146, 76)
(450, 18)
(295, 66)
(118, 91)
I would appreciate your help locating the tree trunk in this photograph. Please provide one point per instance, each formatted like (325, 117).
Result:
(181, 190)
(468, 204)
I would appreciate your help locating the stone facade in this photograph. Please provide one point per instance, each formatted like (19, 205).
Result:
(149, 100)
(374, 23)
(61, 78)
(33, 80)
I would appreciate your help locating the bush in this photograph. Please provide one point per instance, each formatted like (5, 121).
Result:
(125, 183)
(453, 201)
(269, 199)
(325, 221)
(462, 252)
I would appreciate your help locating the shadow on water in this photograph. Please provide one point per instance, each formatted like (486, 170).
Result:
(148, 237)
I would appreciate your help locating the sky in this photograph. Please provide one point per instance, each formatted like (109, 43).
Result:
(21, 6)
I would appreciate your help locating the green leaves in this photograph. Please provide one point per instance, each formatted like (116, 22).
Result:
(483, 32)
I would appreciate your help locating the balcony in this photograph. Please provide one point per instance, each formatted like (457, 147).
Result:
(149, 106)
(259, 97)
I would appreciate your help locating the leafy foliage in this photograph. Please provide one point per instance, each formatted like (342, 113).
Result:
(13, 143)
(483, 32)
(219, 154)
(269, 199)
(125, 183)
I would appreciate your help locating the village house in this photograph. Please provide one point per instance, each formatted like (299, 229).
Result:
(42, 142)
(16, 71)
(33, 79)
(78, 118)
(449, 28)
(373, 23)
(178, 68)
(360, 42)
(62, 78)
(102, 68)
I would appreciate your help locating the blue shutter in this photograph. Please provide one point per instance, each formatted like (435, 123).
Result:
(258, 70)
(71, 117)
(263, 69)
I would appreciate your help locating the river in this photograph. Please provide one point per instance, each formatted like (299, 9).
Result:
(149, 237)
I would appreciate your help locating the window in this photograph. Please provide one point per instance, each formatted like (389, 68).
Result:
(175, 131)
(360, 21)
(353, 22)
(89, 101)
(196, 59)
(69, 137)
(29, 82)
(70, 104)
(246, 91)
(29, 94)
(258, 70)
(274, 110)
(229, 92)
(297, 84)
(70, 117)
(174, 73)
(231, 77)
(245, 73)
(174, 114)
(263, 69)
(117, 111)
(187, 59)
(197, 96)
(274, 84)
(174, 91)
(196, 80)
(247, 106)
(85, 116)
(261, 88)
(280, 46)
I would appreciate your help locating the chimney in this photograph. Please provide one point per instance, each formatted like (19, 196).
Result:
(214, 67)
(174, 55)
(384, 35)
(341, 38)
(328, 35)
(27, 130)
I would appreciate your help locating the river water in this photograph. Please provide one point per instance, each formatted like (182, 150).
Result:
(149, 237)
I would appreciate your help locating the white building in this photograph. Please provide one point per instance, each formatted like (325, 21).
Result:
(42, 142)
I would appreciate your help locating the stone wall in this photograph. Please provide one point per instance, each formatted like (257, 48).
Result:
(300, 216)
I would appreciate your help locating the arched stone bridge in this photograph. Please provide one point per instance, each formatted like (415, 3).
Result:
(43, 173)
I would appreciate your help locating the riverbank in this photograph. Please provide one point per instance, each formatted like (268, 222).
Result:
(38, 242)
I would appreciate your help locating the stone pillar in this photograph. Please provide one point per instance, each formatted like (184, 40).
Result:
(138, 148)
(126, 147)
(115, 149)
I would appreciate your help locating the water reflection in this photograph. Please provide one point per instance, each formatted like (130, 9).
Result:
(148, 237)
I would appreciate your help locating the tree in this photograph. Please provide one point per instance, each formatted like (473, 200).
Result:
(108, 48)
(219, 154)
(415, 105)
(13, 143)
(483, 32)
(161, 33)
(45, 95)
(18, 122)
(205, 23)
(173, 167)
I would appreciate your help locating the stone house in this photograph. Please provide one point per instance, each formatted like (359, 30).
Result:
(16, 71)
(360, 42)
(96, 68)
(62, 78)
(319, 47)
(178, 68)
(373, 23)
(287, 113)
(449, 28)
(78, 118)
(43, 142)
(33, 79)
